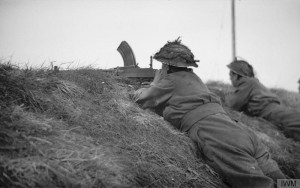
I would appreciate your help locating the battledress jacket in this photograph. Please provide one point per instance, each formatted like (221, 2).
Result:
(251, 97)
(255, 99)
(184, 98)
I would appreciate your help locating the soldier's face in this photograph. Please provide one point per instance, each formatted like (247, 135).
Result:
(233, 78)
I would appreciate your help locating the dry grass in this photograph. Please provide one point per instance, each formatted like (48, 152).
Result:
(289, 99)
(78, 128)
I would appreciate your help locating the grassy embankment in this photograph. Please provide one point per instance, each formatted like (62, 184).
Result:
(78, 128)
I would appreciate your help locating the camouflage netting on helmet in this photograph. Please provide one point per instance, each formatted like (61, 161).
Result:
(176, 54)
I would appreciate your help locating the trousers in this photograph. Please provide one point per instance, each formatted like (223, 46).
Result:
(234, 152)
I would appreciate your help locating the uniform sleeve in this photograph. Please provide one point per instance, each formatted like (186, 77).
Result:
(159, 75)
(156, 94)
(240, 97)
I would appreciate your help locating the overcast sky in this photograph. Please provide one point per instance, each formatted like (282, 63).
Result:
(88, 32)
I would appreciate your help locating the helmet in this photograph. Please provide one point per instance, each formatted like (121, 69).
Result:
(176, 54)
(241, 67)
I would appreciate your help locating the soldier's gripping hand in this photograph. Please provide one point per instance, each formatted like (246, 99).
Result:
(136, 94)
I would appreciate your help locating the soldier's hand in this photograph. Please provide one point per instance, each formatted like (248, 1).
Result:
(228, 91)
(136, 94)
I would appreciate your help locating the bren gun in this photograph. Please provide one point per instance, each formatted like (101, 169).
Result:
(131, 69)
